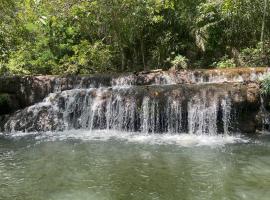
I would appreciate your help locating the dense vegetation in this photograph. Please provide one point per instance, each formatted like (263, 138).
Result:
(265, 85)
(88, 36)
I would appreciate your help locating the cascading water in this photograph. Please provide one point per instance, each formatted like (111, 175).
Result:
(194, 102)
(135, 109)
(202, 116)
(226, 114)
(174, 113)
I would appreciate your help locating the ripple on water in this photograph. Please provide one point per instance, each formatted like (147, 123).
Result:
(116, 165)
(185, 140)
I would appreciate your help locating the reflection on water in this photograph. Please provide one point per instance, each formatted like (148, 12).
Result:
(84, 166)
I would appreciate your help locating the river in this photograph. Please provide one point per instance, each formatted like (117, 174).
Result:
(99, 165)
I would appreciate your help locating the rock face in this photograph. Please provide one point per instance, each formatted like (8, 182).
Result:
(29, 90)
(8, 103)
(150, 102)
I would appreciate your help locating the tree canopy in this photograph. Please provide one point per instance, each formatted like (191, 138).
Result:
(89, 36)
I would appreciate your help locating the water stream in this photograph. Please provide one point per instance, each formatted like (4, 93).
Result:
(108, 165)
(145, 110)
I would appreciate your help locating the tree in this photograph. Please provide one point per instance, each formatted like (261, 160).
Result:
(71, 36)
(263, 25)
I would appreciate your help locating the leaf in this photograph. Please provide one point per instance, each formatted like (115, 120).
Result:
(43, 21)
(31, 27)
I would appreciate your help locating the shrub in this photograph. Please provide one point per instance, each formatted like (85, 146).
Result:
(252, 57)
(265, 85)
(31, 59)
(2, 68)
(225, 62)
(87, 58)
(179, 62)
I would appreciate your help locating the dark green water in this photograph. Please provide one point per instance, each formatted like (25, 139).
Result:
(82, 166)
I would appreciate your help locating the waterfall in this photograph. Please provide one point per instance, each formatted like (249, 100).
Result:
(202, 102)
(174, 114)
(202, 116)
(127, 109)
(226, 114)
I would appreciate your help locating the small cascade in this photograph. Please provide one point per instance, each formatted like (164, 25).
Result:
(126, 109)
(202, 116)
(124, 81)
(226, 114)
(155, 102)
(174, 113)
(150, 116)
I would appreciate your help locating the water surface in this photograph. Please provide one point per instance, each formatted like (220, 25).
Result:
(115, 165)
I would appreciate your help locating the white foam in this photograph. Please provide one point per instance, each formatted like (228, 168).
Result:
(185, 140)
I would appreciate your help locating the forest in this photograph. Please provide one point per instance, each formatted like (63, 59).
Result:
(97, 36)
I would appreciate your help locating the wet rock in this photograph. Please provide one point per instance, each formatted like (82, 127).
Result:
(28, 90)
(246, 121)
(253, 92)
(8, 103)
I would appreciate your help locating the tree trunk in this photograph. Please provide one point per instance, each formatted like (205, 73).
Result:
(135, 58)
(123, 59)
(263, 26)
(142, 52)
(235, 54)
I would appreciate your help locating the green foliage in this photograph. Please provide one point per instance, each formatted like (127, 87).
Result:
(31, 59)
(209, 24)
(2, 67)
(253, 57)
(225, 62)
(265, 85)
(180, 62)
(87, 58)
(70, 36)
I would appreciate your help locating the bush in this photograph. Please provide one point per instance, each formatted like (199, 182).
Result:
(252, 57)
(2, 68)
(31, 59)
(265, 85)
(225, 62)
(179, 62)
(87, 58)
(83, 58)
